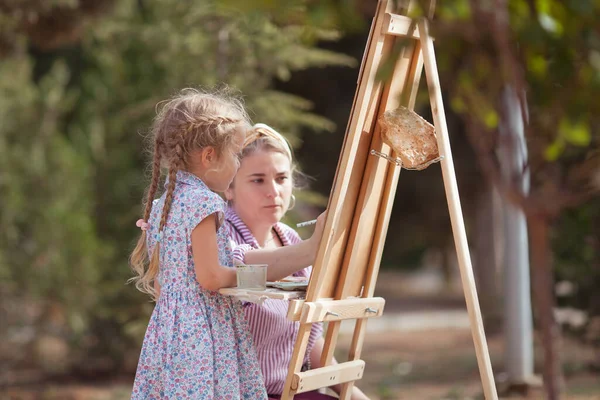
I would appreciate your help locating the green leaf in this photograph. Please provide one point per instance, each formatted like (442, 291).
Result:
(554, 151)
(550, 24)
(537, 65)
(543, 6)
(458, 104)
(491, 119)
(460, 10)
(577, 134)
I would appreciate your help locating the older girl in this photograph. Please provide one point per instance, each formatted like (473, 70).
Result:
(259, 197)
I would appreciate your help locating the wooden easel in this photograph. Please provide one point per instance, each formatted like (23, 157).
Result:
(345, 272)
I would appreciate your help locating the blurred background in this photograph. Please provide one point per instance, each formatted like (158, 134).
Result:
(79, 80)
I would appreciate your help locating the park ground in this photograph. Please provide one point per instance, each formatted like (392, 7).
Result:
(421, 349)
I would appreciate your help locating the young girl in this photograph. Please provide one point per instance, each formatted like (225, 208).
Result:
(197, 345)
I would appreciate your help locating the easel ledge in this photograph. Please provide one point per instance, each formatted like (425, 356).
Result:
(257, 296)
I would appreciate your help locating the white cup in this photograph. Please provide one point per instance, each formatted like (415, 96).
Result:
(252, 276)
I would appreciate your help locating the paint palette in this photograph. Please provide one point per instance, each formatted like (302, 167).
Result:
(289, 285)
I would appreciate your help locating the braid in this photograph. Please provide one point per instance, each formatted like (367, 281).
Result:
(153, 267)
(169, 196)
(203, 121)
(139, 257)
(155, 179)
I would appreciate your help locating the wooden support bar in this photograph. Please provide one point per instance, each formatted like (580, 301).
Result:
(296, 361)
(456, 217)
(295, 310)
(400, 25)
(351, 166)
(409, 70)
(350, 280)
(339, 310)
(328, 376)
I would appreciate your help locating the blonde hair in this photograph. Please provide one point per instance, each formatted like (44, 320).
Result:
(264, 138)
(191, 120)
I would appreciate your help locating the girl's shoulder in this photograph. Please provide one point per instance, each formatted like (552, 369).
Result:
(195, 195)
(196, 203)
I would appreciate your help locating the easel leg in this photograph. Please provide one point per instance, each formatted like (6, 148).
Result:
(456, 217)
(333, 330)
(296, 361)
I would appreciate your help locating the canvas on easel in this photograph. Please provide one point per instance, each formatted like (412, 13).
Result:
(345, 271)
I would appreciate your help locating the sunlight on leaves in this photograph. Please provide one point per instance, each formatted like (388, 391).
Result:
(577, 134)
(554, 151)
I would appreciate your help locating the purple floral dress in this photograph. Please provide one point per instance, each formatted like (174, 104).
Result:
(197, 345)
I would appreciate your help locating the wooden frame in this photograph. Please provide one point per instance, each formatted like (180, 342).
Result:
(347, 264)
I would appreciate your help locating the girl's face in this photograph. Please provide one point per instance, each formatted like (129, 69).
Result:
(223, 167)
(262, 188)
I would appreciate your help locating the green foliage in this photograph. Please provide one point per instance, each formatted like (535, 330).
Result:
(553, 45)
(576, 244)
(72, 141)
(45, 190)
(78, 86)
(549, 50)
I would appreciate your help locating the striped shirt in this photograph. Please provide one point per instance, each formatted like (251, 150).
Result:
(273, 334)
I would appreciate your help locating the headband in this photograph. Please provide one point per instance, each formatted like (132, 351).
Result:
(262, 130)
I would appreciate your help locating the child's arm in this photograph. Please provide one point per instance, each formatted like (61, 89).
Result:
(284, 261)
(210, 274)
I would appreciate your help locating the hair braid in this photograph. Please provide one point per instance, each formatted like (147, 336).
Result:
(155, 179)
(201, 121)
(139, 257)
(153, 267)
(169, 195)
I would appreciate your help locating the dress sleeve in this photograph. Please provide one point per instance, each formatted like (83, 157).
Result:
(202, 204)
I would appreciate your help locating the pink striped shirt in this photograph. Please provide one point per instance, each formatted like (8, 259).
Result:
(273, 334)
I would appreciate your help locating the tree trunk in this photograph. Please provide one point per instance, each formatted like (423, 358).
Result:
(543, 290)
(512, 155)
(486, 262)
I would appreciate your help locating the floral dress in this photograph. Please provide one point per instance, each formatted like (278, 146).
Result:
(197, 345)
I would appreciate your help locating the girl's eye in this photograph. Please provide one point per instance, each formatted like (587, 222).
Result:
(259, 180)
(281, 179)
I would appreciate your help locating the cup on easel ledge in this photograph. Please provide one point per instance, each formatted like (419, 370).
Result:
(251, 276)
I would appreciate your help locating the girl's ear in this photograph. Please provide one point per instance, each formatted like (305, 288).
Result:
(208, 156)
